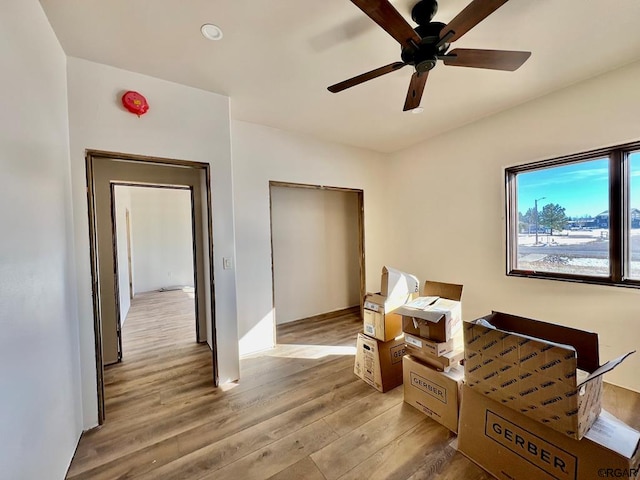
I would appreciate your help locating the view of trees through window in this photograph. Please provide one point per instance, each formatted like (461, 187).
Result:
(563, 218)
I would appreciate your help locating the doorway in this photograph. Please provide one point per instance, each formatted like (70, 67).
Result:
(106, 170)
(155, 242)
(317, 244)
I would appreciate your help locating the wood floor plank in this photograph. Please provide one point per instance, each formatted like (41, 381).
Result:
(366, 408)
(278, 456)
(425, 446)
(622, 403)
(305, 469)
(458, 466)
(348, 451)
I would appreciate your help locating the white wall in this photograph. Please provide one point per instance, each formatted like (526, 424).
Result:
(40, 408)
(162, 238)
(457, 182)
(315, 251)
(122, 202)
(261, 154)
(182, 123)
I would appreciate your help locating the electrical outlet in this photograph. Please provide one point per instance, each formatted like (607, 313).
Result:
(227, 263)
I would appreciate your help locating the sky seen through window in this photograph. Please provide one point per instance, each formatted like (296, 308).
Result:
(581, 188)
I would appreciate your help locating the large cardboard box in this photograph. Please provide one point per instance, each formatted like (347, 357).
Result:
(380, 320)
(533, 367)
(379, 363)
(436, 394)
(395, 283)
(436, 315)
(511, 446)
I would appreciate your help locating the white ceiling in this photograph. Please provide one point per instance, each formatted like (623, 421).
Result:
(277, 58)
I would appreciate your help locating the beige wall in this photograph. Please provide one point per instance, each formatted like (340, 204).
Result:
(162, 238)
(261, 154)
(315, 251)
(182, 123)
(40, 392)
(457, 181)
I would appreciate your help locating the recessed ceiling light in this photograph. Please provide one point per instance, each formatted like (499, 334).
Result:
(211, 31)
(417, 110)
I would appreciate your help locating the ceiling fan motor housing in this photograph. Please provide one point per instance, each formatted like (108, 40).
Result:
(424, 55)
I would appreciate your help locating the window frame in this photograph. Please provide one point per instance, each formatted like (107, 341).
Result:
(619, 215)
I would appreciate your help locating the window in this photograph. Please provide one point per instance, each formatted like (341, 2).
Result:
(634, 216)
(576, 218)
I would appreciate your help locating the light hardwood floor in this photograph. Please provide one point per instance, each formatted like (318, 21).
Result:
(298, 411)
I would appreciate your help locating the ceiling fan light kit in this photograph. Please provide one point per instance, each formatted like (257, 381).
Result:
(429, 42)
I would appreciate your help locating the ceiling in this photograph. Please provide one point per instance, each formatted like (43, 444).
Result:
(278, 57)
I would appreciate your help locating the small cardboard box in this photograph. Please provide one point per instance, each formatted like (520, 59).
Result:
(379, 363)
(428, 347)
(395, 283)
(436, 394)
(511, 446)
(380, 321)
(436, 315)
(532, 367)
(443, 362)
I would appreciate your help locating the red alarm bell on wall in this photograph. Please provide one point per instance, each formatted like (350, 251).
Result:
(135, 102)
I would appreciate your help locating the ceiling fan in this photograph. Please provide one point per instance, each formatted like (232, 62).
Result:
(429, 42)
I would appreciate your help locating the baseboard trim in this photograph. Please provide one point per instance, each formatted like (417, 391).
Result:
(327, 316)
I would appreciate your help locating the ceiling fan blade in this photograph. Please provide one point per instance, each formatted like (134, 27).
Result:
(416, 87)
(491, 59)
(468, 18)
(385, 15)
(338, 87)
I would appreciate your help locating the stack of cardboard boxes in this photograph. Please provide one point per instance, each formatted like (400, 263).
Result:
(530, 403)
(379, 350)
(428, 329)
(432, 326)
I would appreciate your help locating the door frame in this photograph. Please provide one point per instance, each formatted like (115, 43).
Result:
(361, 256)
(114, 236)
(92, 156)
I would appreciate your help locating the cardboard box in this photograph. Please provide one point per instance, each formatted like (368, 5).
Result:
(379, 320)
(436, 315)
(427, 347)
(443, 362)
(439, 321)
(436, 394)
(379, 363)
(395, 283)
(511, 446)
(532, 367)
